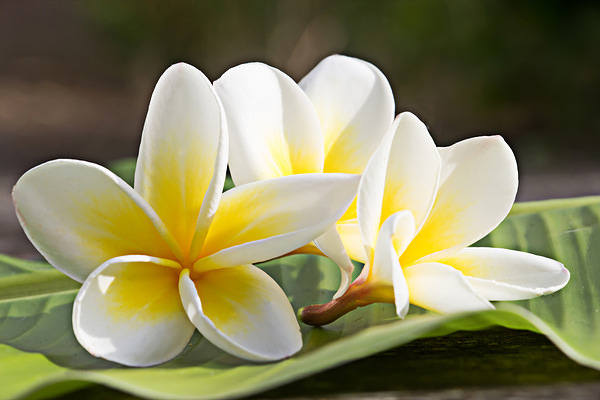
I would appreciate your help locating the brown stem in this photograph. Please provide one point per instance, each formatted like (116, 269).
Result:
(323, 314)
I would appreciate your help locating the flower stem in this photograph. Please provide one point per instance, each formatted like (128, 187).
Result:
(358, 295)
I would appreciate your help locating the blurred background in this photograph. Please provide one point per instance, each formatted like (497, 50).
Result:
(76, 76)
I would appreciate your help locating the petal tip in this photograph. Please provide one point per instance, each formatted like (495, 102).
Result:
(407, 115)
(181, 65)
(565, 275)
(184, 74)
(401, 312)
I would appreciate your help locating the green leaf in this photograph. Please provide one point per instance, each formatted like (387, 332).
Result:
(544, 205)
(38, 349)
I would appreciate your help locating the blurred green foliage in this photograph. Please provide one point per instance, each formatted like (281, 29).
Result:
(526, 69)
(529, 70)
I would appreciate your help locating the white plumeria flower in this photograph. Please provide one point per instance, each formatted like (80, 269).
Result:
(177, 253)
(331, 122)
(419, 208)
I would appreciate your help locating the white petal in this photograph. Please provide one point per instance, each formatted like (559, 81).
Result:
(129, 311)
(370, 195)
(243, 311)
(332, 246)
(350, 234)
(78, 215)
(401, 296)
(212, 198)
(439, 287)
(266, 219)
(502, 274)
(179, 152)
(477, 189)
(395, 234)
(402, 175)
(355, 105)
(274, 129)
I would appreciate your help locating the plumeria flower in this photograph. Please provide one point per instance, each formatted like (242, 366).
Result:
(419, 208)
(175, 253)
(331, 121)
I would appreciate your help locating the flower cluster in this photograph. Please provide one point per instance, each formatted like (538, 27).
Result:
(320, 167)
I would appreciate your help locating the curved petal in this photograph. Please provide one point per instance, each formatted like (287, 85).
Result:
(439, 287)
(308, 248)
(273, 127)
(78, 215)
(401, 297)
(129, 311)
(266, 219)
(502, 274)
(402, 175)
(350, 234)
(212, 198)
(179, 149)
(243, 311)
(351, 213)
(332, 246)
(370, 195)
(355, 105)
(477, 189)
(395, 234)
